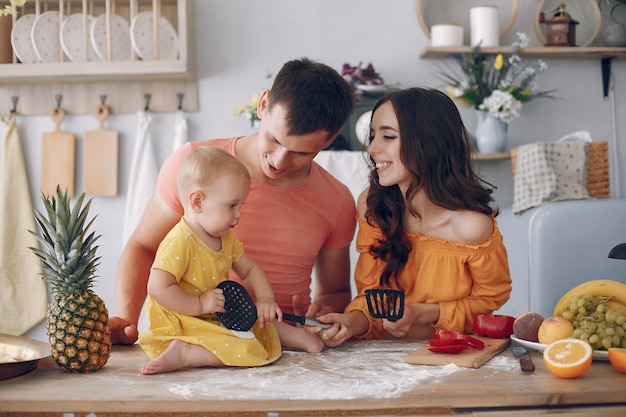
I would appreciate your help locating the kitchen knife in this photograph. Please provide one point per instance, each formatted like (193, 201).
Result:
(306, 321)
(525, 362)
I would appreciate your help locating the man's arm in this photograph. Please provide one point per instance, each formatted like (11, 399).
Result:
(134, 268)
(332, 274)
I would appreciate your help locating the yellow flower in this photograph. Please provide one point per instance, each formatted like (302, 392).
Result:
(254, 100)
(499, 62)
(10, 9)
(241, 109)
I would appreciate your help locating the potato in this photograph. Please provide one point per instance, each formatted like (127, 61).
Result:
(526, 326)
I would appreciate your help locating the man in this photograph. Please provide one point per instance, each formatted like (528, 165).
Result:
(297, 217)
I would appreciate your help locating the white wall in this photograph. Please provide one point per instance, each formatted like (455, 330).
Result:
(238, 41)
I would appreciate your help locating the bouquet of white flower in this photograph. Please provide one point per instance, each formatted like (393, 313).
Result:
(494, 84)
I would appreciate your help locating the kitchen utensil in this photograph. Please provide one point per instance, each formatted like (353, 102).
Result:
(385, 303)
(525, 362)
(57, 157)
(241, 312)
(101, 158)
(467, 358)
(19, 355)
(306, 321)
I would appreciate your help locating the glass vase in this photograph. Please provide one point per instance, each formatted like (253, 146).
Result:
(491, 133)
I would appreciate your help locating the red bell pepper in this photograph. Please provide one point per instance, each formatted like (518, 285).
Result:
(447, 349)
(493, 325)
(451, 337)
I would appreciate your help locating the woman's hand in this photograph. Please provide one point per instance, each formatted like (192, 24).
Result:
(415, 322)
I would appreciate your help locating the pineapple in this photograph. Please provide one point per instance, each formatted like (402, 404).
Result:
(77, 322)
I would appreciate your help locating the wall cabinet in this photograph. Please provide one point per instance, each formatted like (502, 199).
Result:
(127, 84)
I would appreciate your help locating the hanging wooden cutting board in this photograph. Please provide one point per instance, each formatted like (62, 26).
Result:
(57, 158)
(101, 158)
(468, 358)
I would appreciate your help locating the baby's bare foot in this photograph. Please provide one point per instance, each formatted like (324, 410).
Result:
(172, 359)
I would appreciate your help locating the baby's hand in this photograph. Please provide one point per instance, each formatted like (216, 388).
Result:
(267, 311)
(213, 301)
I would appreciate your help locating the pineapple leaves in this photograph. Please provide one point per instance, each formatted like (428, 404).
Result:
(67, 253)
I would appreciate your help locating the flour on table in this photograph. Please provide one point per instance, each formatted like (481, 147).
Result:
(351, 371)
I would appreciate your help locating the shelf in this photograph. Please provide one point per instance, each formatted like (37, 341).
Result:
(95, 71)
(491, 156)
(553, 52)
(124, 84)
(605, 54)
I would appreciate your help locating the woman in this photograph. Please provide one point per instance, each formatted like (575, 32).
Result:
(426, 225)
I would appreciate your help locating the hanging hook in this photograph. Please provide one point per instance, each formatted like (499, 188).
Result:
(14, 104)
(57, 100)
(146, 98)
(103, 99)
(180, 96)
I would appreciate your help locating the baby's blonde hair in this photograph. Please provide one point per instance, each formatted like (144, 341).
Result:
(203, 166)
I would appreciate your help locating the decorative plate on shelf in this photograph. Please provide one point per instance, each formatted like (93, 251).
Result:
(120, 38)
(45, 36)
(597, 354)
(19, 355)
(21, 40)
(142, 37)
(73, 38)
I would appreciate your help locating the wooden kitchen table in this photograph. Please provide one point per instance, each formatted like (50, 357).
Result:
(359, 378)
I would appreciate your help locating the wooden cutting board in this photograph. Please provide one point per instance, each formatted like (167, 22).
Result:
(100, 174)
(468, 358)
(57, 158)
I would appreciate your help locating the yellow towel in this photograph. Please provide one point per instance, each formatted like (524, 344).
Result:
(23, 294)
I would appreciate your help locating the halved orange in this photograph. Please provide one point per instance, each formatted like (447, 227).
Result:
(568, 358)
(617, 356)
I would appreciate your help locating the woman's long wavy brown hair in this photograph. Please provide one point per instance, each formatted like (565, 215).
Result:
(436, 149)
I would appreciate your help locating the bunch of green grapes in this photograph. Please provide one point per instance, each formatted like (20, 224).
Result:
(596, 323)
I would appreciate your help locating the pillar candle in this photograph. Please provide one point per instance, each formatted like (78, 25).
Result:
(484, 26)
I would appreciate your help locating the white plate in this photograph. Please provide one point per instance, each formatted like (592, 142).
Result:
(597, 354)
(73, 40)
(141, 36)
(45, 36)
(120, 38)
(21, 40)
(372, 88)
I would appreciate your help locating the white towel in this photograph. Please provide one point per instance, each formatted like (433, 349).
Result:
(23, 294)
(143, 175)
(181, 134)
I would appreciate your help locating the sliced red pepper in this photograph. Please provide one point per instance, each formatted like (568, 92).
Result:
(452, 335)
(447, 342)
(495, 326)
(447, 349)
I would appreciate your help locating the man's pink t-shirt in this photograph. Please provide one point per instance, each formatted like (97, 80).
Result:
(282, 228)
